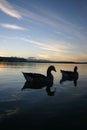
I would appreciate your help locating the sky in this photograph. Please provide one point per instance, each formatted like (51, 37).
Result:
(44, 29)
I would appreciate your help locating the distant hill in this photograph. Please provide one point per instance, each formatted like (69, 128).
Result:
(34, 60)
(12, 59)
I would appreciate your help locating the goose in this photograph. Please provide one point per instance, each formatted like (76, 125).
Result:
(70, 74)
(37, 77)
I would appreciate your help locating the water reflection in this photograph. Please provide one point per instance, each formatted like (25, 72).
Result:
(63, 79)
(40, 85)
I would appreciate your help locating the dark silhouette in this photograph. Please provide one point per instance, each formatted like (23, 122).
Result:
(36, 77)
(39, 85)
(38, 81)
(12, 59)
(70, 76)
(63, 79)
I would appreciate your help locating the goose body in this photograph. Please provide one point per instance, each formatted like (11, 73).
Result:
(70, 74)
(37, 77)
(34, 76)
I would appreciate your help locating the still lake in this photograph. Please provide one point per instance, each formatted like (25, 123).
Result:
(35, 108)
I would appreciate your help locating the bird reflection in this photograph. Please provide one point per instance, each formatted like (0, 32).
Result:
(63, 79)
(40, 85)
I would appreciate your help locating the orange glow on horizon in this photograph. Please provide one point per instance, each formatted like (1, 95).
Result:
(2, 65)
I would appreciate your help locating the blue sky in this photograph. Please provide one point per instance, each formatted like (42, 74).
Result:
(45, 29)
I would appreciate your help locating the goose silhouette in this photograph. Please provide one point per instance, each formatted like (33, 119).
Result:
(70, 76)
(37, 77)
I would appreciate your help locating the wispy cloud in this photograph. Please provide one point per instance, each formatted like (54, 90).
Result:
(44, 16)
(53, 47)
(12, 26)
(59, 50)
(55, 21)
(8, 9)
(43, 56)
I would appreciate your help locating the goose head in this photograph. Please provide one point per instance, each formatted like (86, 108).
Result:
(51, 68)
(75, 69)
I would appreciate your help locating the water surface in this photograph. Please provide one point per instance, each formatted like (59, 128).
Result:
(34, 107)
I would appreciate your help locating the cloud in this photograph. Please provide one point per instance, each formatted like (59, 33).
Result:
(60, 25)
(46, 17)
(12, 26)
(32, 41)
(55, 47)
(59, 46)
(8, 9)
(43, 56)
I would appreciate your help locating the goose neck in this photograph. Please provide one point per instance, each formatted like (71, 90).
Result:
(49, 72)
(50, 76)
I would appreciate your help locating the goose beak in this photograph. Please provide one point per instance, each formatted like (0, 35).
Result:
(55, 70)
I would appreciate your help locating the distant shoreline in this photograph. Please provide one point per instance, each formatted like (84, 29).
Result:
(17, 59)
(59, 62)
(43, 62)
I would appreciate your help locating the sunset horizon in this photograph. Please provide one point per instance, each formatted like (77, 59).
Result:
(50, 30)
(35, 59)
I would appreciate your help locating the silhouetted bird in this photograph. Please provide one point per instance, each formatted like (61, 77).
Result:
(37, 77)
(70, 76)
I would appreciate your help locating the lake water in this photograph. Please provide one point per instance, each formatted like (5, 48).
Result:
(34, 108)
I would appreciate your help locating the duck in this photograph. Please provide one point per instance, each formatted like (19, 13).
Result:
(37, 77)
(70, 74)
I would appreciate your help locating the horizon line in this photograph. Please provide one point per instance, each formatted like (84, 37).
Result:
(41, 60)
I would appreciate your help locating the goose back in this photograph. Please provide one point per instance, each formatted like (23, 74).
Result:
(34, 76)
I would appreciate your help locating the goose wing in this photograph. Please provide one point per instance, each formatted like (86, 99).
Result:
(34, 76)
(67, 73)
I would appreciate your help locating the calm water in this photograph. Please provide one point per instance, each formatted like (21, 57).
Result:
(36, 103)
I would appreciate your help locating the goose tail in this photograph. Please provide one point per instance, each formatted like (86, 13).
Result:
(61, 71)
(27, 77)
